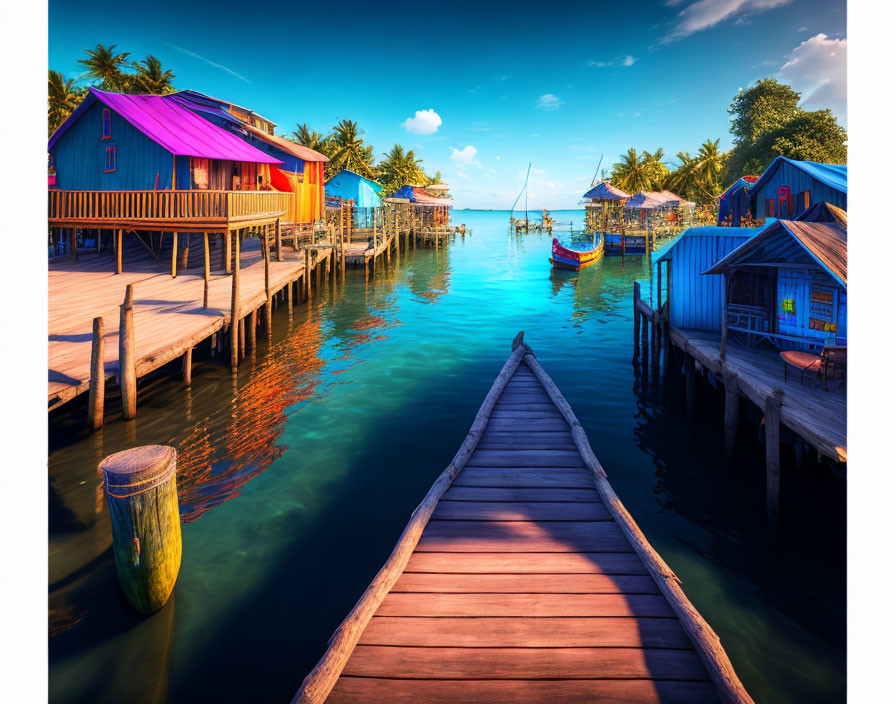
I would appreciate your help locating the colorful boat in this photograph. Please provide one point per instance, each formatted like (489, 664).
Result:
(576, 256)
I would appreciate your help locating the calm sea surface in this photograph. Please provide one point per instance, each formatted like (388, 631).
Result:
(297, 476)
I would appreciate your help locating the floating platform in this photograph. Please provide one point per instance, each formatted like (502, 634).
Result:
(522, 578)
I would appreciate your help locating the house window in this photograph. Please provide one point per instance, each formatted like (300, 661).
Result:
(111, 159)
(803, 200)
(107, 124)
(199, 171)
(770, 207)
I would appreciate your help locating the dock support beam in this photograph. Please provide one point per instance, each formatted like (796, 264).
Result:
(253, 323)
(732, 409)
(724, 342)
(225, 251)
(188, 367)
(279, 235)
(235, 305)
(636, 296)
(97, 394)
(773, 455)
(690, 383)
(141, 489)
(207, 270)
(173, 255)
(307, 274)
(119, 245)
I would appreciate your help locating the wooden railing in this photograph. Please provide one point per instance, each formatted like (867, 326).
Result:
(118, 206)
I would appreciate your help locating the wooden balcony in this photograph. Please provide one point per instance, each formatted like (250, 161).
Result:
(178, 211)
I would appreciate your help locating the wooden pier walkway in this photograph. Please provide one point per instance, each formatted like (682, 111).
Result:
(169, 317)
(522, 578)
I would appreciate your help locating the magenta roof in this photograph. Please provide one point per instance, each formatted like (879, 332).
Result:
(172, 126)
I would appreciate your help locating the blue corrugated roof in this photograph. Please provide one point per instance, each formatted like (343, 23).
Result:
(832, 175)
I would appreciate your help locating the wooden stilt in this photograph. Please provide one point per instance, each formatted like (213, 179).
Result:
(289, 299)
(636, 296)
(732, 408)
(206, 274)
(235, 305)
(119, 246)
(267, 282)
(307, 274)
(173, 255)
(279, 236)
(773, 455)
(127, 370)
(225, 251)
(185, 255)
(724, 342)
(645, 332)
(188, 367)
(97, 394)
(667, 339)
(253, 323)
(690, 383)
(655, 340)
(242, 327)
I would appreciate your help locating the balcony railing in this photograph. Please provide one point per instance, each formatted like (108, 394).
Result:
(199, 206)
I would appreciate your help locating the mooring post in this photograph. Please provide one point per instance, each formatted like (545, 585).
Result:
(307, 273)
(289, 299)
(97, 393)
(119, 245)
(773, 455)
(187, 371)
(267, 284)
(732, 408)
(225, 251)
(636, 296)
(235, 308)
(127, 371)
(690, 384)
(173, 254)
(141, 489)
(253, 322)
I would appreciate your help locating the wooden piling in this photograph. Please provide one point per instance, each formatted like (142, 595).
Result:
(187, 371)
(253, 322)
(225, 251)
(141, 489)
(289, 298)
(645, 331)
(173, 255)
(279, 235)
(266, 250)
(690, 383)
(307, 274)
(97, 394)
(655, 340)
(636, 296)
(119, 245)
(732, 408)
(773, 455)
(234, 308)
(206, 274)
(127, 368)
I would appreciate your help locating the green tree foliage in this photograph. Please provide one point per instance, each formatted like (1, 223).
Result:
(400, 168)
(639, 172)
(766, 123)
(105, 66)
(63, 96)
(349, 151)
(307, 137)
(150, 78)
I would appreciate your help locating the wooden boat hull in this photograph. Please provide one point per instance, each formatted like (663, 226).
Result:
(564, 258)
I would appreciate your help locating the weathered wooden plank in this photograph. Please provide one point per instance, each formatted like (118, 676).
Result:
(526, 415)
(525, 663)
(531, 477)
(531, 424)
(520, 511)
(522, 536)
(469, 493)
(525, 605)
(527, 441)
(526, 458)
(413, 691)
(548, 632)
(569, 583)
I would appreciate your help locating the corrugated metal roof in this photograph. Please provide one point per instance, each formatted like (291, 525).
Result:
(832, 175)
(297, 150)
(606, 191)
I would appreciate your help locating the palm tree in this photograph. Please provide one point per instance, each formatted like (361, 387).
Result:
(62, 99)
(150, 78)
(104, 65)
(656, 167)
(433, 180)
(307, 137)
(708, 165)
(633, 173)
(400, 168)
(683, 180)
(349, 151)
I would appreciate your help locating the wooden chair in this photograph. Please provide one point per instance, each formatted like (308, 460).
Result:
(830, 364)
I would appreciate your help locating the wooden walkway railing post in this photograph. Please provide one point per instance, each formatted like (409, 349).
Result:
(97, 394)
(141, 489)
(127, 370)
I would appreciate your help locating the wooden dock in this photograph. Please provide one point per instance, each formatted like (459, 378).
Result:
(169, 317)
(522, 578)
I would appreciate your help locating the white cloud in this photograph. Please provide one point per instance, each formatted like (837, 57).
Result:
(624, 61)
(465, 157)
(423, 122)
(704, 14)
(803, 29)
(817, 69)
(548, 101)
(498, 158)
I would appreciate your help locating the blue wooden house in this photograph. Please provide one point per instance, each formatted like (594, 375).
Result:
(734, 203)
(348, 185)
(696, 301)
(788, 188)
(787, 284)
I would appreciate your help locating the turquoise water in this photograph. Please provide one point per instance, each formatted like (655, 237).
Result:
(297, 476)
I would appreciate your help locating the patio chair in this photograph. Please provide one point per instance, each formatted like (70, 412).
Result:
(830, 364)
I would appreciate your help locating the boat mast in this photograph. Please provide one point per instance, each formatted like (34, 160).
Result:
(518, 199)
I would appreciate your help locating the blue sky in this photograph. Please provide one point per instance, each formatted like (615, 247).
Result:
(557, 85)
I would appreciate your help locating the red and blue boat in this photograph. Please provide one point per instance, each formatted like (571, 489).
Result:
(576, 256)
